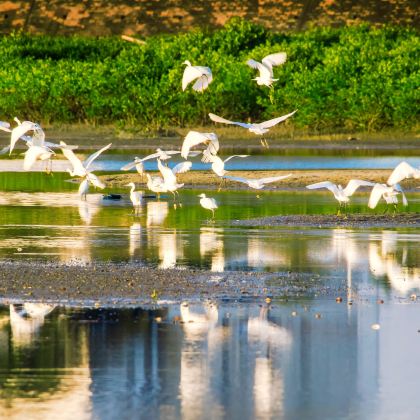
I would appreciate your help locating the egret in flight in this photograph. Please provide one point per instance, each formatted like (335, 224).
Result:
(136, 198)
(257, 184)
(202, 75)
(156, 184)
(194, 138)
(342, 195)
(82, 169)
(170, 183)
(403, 171)
(266, 68)
(388, 193)
(208, 203)
(257, 128)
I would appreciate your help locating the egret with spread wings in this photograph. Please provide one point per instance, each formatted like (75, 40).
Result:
(265, 68)
(194, 138)
(201, 74)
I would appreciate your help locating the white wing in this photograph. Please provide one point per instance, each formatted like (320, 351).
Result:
(273, 178)
(354, 184)
(233, 156)
(237, 179)
(168, 176)
(218, 119)
(192, 139)
(203, 82)
(5, 126)
(78, 167)
(190, 73)
(94, 180)
(265, 72)
(131, 165)
(376, 194)
(182, 167)
(402, 171)
(31, 155)
(274, 121)
(93, 156)
(4, 150)
(325, 184)
(397, 187)
(18, 132)
(274, 59)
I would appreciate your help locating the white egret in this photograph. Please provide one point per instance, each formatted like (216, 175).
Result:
(160, 154)
(208, 203)
(169, 175)
(388, 193)
(156, 184)
(194, 138)
(341, 194)
(82, 168)
(136, 198)
(256, 128)
(203, 75)
(217, 164)
(266, 68)
(403, 171)
(257, 184)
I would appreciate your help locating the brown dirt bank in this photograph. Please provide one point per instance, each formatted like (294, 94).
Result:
(298, 180)
(89, 137)
(113, 284)
(402, 220)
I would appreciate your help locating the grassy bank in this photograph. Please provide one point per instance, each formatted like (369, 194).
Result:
(340, 79)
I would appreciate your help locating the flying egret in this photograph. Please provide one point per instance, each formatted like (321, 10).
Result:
(388, 193)
(203, 75)
(266, 68)
(217, 164)
(38, 148)
(136, 198)
(193, 138)
(257, 128)
(169, 176)
(155, 184)
(257, 184)
(341, 194)
(81, 169)
(208, 203)
(160, 154)
(403, 171)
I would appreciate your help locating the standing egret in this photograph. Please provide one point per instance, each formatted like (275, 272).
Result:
(388, 193)
(208, 203)
(193, 138)
(341, 194)
(203, 75)
(256, 128)
(266, 68)
(257, 184)
(403, 171)
(136, 198)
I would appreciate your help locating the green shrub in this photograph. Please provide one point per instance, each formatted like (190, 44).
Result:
(354, 78)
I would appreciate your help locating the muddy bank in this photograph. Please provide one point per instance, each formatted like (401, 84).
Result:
(298, 180)
(113, 284)
(409, 220)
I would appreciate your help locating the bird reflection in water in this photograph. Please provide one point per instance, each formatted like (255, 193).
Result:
(390, 260)
(26, 321)
(157, 211)
(211, 242)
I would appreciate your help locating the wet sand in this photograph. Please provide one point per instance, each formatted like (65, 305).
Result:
(130, 284)
(401, 220)
(298, 180)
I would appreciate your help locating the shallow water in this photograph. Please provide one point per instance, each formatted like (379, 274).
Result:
(296, 160)
(301, 359)
(306, 357)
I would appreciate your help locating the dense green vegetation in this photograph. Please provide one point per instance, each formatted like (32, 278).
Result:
(354, 78)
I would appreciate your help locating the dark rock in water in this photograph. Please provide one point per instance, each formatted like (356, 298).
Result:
(112, 197)
(149, 196)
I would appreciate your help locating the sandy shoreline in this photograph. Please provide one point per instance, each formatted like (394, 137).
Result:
(121, 284)
(298, 180)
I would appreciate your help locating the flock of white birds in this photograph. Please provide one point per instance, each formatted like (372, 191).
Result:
(39, 149)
